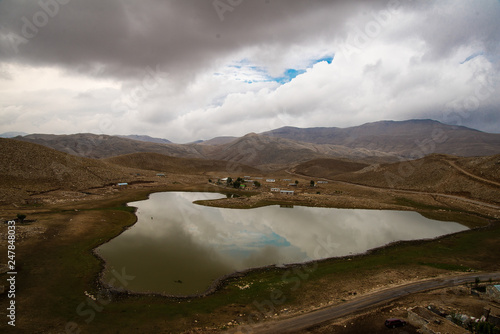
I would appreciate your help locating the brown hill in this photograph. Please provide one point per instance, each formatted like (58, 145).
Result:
(434, 173)
(162, 163)
(327, 168)
(29, 169)
(407, 139)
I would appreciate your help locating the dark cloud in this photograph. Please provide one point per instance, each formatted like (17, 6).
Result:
(120, 38)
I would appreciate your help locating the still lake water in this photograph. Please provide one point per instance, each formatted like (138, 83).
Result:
(177, 247)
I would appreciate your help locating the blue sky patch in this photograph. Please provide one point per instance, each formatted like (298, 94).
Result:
(472, 56)
(288, 76)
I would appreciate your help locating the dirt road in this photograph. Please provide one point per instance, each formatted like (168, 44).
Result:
(478, 178)
(298, 323)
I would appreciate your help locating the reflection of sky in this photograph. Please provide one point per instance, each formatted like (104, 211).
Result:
(178, 238)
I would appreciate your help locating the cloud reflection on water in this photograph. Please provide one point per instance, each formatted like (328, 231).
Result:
(177, 241)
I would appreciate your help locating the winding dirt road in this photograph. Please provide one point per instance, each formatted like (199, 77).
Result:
(478, 178)
(298, 323)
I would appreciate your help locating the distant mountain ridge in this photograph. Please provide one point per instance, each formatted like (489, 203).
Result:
(147, 139)
(385, 141)
(406, 139)
(12, 134)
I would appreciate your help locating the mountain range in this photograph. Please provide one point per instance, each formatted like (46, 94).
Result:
(384, 141)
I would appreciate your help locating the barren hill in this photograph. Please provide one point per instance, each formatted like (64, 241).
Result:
(409, 139)
(435, 173)
(163, 163)
(29, 168)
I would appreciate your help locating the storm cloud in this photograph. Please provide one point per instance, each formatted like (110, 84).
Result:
(188, 70)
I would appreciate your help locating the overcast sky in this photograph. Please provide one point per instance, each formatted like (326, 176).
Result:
(196, 69)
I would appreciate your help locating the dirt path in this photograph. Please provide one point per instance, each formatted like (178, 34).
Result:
(299, 323)
(471, 201)
(473, 175)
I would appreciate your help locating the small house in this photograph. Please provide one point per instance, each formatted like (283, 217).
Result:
(275, 190)
(287, 192)
(270, 180)
(160, 174)
(121, 184)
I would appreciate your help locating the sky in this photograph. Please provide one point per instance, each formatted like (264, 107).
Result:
(187, 70)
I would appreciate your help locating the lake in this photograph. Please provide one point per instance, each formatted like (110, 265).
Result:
(180, 248)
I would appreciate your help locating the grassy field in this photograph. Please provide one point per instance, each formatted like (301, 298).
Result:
(57, 269)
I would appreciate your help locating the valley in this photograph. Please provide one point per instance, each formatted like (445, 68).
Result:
(73, 191)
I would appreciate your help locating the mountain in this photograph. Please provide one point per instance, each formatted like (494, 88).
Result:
(385, 141)
(172, 165)
(29, 169)
(406, 139)
(12, 134)
(147, 139)
(103, 146)
(274, 152)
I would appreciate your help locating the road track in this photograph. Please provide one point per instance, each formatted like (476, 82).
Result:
(361, 303)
